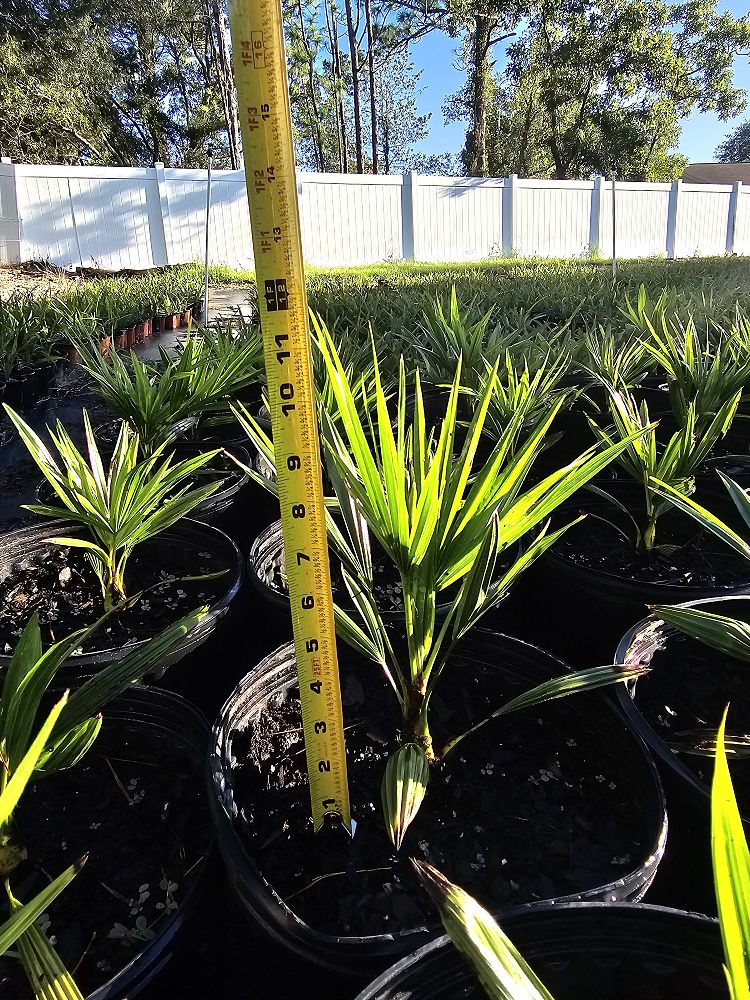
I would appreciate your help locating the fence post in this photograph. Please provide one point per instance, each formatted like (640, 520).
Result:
(614, 228)
(595, 223)
(734, 200)
(409, 185)
(674, 199)
(509, 210)
(159, 226)
(10, 222)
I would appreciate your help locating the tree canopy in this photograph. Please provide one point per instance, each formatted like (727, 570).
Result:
(736, 146)
(553, 88)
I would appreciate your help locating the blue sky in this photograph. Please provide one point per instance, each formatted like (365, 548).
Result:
(435, 56)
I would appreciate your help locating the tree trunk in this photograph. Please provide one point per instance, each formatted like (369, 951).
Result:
(217, 30)
(480, 80)
(317, 137)
(352, 33)
(386, 132)
(333, 36)
(371, 72)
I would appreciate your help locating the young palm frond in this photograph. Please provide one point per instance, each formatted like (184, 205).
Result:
(645, 461)
(517, 390)
(500, 968)
(731, 864)
(441, 521)
(133, 501)
(621, 364)
(445, 335)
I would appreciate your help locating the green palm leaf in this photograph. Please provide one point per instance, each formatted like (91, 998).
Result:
(731, 863)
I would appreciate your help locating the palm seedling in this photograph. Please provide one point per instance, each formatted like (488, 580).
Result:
(707, 371)
(133, 501)
(645, 460)
(10, 333)
(442, 522)
(164, 403)
(447, 334)
(68, 733)
(24, 332)
(521, 389)
(616, 362)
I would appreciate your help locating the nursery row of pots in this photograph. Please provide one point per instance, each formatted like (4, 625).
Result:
(555, 817)
(25, 384)
(587, 821)
(139, 332)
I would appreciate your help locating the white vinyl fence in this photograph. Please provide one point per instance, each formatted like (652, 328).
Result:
(117, 217)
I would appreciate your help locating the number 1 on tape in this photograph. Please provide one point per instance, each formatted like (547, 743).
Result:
(265, 121)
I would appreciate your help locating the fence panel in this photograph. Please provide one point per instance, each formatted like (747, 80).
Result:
(458, 218)
(742, 223)
(350, 219)
(10, 248)
(137, 217)
(552, 218)
(92, 216)
(702, 213)
(229, 237)
(642, 211)
(111, 221)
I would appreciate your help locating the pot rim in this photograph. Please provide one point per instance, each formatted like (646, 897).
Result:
(215, 774)
(41, 534)
(391, 975)
(651, 630)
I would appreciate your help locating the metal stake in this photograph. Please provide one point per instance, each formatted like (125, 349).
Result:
(614, 231)
(208, 213)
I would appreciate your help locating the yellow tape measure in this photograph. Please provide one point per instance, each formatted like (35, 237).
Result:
(265, 121)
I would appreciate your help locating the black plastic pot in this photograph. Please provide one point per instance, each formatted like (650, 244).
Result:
(638, 645)
(267, 552)
(522, 665)
(182, 725)
(177, 543)
(17, 392)
(737, 467)
(569, 588)
(737, 440)
(150, 724)
(580, 951)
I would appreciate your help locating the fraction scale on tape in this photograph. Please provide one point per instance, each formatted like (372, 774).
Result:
(265, 122)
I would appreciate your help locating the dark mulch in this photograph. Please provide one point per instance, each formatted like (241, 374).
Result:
(699, 560)
(533, 807)
(137, 806)
(59, 585)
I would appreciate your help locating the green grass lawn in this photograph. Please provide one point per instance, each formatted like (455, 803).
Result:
(395, 295)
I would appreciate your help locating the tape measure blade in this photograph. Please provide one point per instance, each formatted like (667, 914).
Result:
(265, 121)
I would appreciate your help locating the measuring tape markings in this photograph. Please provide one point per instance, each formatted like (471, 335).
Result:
(260, 74)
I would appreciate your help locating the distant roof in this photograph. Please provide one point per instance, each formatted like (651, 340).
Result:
(716, 173)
